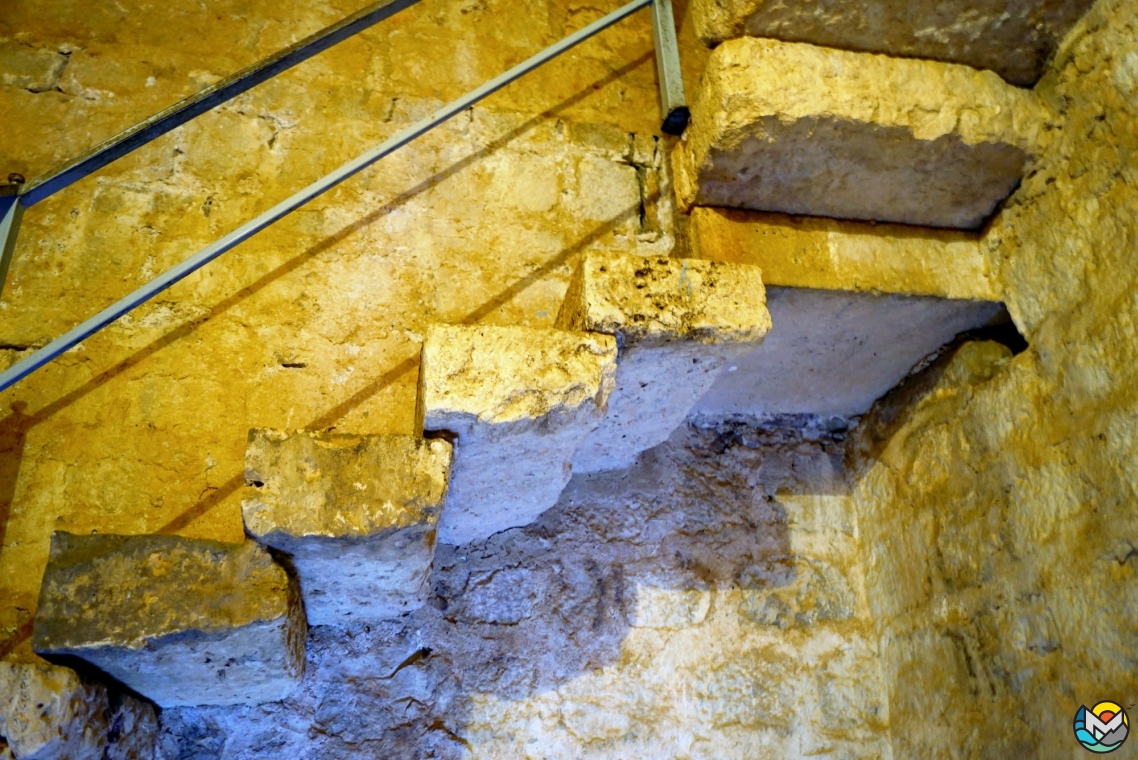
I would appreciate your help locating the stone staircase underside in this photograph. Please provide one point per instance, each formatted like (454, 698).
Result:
(834, 353)
(1013, 39)
(854, 307)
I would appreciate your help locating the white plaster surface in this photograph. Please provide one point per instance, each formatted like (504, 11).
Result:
(656, 387)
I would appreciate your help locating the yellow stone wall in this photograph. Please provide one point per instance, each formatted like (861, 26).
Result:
(993, 497)
(317, 321)
(996, 495)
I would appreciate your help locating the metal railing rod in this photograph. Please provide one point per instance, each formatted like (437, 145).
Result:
(673, 102)
(178, 114)
(11, 212)
(71, 338)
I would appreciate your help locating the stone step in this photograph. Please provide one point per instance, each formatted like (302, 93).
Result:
(356, 517)
(678, 323)
(518, 402)
(800, 129)
(854, 306)
(182, 622)
(1014, 39)
(49, 712)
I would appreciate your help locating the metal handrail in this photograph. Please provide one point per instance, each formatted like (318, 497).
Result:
(675, 119)
(14, 198)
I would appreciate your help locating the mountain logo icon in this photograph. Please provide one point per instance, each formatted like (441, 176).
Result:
(1102, 728)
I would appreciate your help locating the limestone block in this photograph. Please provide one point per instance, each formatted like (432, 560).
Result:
(519, 401)
(799, 129)
(855, 306)
(49, 712)
(28, 68)
(669, 608)
(833, 254)
(180, 621)
(833, 353)
(356, 515)
(678, 322)
(1014, 39)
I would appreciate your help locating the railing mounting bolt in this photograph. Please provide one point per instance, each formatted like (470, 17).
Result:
(16, 179)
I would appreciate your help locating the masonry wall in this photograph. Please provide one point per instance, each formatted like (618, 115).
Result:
(958, 595)
(705, 603)
(317, 321)
(996, 493)
(702, 604)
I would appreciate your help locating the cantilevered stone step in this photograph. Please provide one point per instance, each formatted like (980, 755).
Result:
(356, 516)
(854, 305)
(48, 712)
(678, 322)
(180, 621)
(800, 129)
(519, 402)
(1014, 38)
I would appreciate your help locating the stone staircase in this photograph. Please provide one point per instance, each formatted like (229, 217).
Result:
(855, 306)
(1013, 39)
(791, 127)
(344, 527)
(891, 167)
(893, 164)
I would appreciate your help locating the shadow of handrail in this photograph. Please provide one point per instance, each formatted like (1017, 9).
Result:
(15, 426)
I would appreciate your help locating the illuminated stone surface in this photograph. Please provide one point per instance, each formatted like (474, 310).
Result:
(855, 307)
(520, 401)
(356, 516)
(181, 622)
(1016, 475)
(832, 254)
(48, 712)
(1014, 39)
(678, 322)
(316, 322)
(794, 128)
(1016, 596)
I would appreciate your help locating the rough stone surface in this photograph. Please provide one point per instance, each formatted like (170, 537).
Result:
(181, 622)
(1014, 39)
(317, 321)
(620, 624)
(47, 712)
(1021, 535)
(830, 254)
(356, 516)
(833, 353)
(29, 68)
(855, 307)
(996, 495)
(800, 129)
(520, 402)
(677, 322)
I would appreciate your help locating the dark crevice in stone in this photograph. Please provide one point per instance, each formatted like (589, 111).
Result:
(1004, 333)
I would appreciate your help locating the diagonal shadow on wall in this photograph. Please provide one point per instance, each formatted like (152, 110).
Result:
(15, 426)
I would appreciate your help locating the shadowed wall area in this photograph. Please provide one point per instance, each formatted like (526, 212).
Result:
(701, 603)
